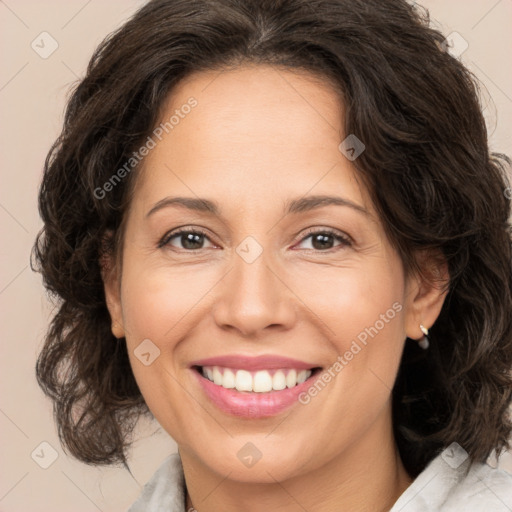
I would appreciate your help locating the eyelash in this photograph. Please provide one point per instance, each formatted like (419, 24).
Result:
(345, 240)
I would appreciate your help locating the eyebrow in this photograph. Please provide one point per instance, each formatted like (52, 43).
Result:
(299, 205)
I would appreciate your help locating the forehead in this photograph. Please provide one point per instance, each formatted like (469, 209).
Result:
(253, 131)
(262, 103)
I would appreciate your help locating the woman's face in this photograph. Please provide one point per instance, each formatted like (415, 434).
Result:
(273, 284)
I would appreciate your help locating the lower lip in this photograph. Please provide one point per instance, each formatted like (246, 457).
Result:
(249, 404)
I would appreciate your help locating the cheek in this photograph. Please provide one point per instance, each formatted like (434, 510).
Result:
(158, 302)
(353, 299)
(363, 311)
(360, 309)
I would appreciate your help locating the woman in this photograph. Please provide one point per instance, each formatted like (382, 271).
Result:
(275, 226)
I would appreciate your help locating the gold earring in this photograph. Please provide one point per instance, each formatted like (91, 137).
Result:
(423, 341)
(117, 331)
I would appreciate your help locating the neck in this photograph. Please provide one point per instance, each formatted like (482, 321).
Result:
(367, 476)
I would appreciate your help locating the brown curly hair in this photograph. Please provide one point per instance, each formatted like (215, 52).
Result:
(427, 167)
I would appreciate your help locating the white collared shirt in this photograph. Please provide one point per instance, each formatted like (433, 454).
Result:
(438, 488)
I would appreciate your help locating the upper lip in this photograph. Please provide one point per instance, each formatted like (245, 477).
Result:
(262, 362)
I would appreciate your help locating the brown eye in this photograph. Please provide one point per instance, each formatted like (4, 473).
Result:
(185, 239)
(324, 240)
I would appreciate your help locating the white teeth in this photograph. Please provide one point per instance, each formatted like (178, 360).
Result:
(243, 381)
(302, 376)
(278, 380)
(261, 381)
(291, 379)
(217, 376)
(228, 381)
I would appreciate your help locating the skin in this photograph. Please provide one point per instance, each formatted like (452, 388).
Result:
(259, 137)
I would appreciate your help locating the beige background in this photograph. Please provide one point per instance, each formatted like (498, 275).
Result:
(33, 91)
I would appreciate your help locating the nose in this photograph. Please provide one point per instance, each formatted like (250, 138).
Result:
(254, 297)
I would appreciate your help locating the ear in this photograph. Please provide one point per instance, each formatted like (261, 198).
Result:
(426, 291)
(110, 273)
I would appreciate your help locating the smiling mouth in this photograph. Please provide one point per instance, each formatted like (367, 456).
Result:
(261, 381)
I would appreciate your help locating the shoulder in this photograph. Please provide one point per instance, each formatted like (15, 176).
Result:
(165, 490)
(449, 485)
